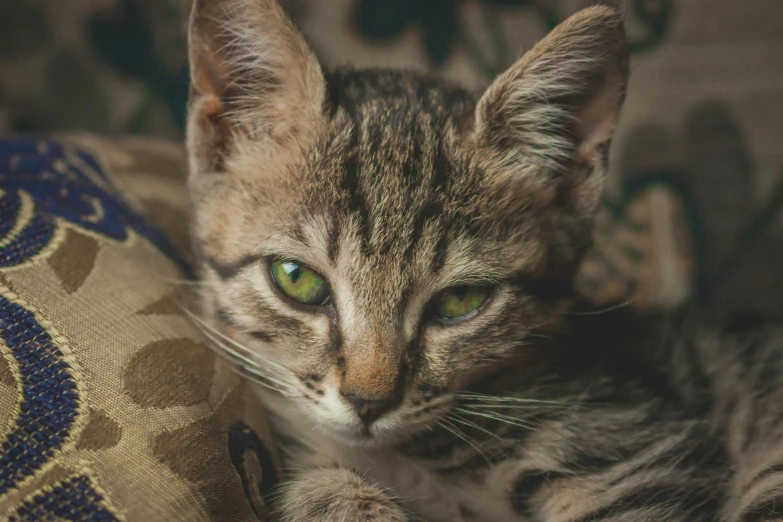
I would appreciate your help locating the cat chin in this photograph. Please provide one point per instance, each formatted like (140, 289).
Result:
(363, 440)
(377, 438)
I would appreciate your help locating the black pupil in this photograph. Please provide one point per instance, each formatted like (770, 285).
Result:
(294, 273)
(460, 292)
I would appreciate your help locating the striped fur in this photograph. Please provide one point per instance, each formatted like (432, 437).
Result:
(395, 186)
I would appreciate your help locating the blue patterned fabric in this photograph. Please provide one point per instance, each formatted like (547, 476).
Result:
(50, 399)
(36, 234)
(243, 444)
(66, 184)
(42, 186)
(74, 499)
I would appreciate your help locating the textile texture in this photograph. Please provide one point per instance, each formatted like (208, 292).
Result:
(111, 406)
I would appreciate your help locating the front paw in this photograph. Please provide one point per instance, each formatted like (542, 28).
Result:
(335, 494)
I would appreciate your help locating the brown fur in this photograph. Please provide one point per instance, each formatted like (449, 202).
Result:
(395, 187)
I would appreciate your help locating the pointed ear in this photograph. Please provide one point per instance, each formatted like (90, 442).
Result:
(546, 123)
(252, 77)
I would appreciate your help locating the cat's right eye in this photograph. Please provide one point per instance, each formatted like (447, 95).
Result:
(460, 302)
(300, 283)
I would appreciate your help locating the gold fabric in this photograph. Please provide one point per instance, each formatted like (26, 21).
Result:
(163, 429)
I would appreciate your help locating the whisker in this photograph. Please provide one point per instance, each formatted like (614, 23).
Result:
(448, 426)
(248, 362)
(246, 373)
(497, 417)
(509, 402)
(604, 310)
(232, 341)
(433, 404)
(250, 370)
(518, 408)
(203, 325)
(236, 355)
(462, 420)
(273, 380)
(259, 379)
(512, 421)
(492, 399)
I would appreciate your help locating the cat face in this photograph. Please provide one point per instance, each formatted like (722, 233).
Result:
(373, 243)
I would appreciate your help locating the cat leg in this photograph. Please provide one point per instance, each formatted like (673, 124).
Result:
(335, 494)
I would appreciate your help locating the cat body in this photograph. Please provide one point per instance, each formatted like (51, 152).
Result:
(664, 420)
(391, 259)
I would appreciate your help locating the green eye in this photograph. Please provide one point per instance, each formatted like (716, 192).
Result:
(299, 283)
(460, 301)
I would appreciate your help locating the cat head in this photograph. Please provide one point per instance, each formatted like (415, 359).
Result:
(373, 242)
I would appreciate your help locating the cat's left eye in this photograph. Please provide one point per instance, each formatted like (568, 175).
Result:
(460, 302)
(300, 283)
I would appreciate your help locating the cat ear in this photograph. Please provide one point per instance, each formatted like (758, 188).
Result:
(252, 77)
(547, 121)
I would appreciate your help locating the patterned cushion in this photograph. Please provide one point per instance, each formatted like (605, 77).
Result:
(111, 406)
(642, 254)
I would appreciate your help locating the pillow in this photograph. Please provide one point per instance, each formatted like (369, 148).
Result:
(642, 253)
(111, 405)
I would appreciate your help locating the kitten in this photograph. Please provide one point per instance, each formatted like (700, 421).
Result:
(391, 259)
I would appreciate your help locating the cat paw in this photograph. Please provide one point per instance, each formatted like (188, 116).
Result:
(336, 494)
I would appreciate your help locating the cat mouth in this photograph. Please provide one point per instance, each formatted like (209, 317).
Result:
(374, 435)
(382, 433)
(362, 437)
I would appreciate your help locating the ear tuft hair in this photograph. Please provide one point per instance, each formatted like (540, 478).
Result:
(560, 102)
(543, 130)
(252, 77)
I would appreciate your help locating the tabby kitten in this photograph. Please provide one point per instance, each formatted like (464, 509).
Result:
(390, 258)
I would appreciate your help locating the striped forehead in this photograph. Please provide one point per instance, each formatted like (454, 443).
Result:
(389, 195)
(385, 172)
(375, 196)
(384, 220)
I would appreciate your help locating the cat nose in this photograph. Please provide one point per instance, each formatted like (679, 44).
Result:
(369, 409)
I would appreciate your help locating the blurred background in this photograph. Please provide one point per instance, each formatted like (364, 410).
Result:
(703, 119)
